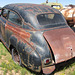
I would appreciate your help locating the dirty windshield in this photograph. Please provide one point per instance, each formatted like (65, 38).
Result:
(50, 20)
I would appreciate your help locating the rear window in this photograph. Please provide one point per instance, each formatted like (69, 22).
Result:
(50, 20)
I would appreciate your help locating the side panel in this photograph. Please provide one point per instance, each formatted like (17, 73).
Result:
(19, 38)
(2, 27)
(11, 29)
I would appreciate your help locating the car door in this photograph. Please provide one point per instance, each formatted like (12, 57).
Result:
(3, 22)
(14, 25)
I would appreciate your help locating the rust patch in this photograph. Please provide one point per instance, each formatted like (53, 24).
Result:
(18, 31)
(69, 14)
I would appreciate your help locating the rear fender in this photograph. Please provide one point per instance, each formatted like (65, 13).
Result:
(29, 56)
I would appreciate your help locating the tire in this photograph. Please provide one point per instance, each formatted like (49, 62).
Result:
(16, 57)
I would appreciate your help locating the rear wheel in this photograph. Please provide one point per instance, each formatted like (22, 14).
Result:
(16, 56)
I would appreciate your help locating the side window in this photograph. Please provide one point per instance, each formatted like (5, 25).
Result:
(14, 17)
(5, 13)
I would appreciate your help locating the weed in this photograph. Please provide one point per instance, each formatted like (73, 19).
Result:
(2, 52)
(62, 74)
(72, 73)
(23, 72)
(0, 57)
(5, 71)
(16, 70)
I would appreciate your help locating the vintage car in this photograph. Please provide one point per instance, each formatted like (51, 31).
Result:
(54, 5)
(69, 14)
(37, 36)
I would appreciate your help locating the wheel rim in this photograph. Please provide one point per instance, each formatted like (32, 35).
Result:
(16, 56)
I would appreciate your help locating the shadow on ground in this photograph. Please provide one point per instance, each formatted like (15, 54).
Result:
(63, 65)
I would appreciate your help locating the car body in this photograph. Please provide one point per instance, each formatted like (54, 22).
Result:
(36, 36)
(54, 5)
(69, 14)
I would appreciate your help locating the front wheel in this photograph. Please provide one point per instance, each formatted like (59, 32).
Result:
(16, 56)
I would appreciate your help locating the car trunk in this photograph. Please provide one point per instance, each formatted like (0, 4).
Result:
(62, 43)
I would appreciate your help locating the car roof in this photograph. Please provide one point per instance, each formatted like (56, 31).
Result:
(31, 8)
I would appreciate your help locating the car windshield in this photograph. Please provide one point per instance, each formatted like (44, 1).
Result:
(50, 20)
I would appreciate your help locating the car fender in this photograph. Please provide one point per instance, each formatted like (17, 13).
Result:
(29, 56)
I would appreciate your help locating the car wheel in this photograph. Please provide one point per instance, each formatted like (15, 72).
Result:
(16, 56)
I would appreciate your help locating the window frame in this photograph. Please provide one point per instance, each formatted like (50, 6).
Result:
(18, 16)
(49, 13)
(19, 25)
(3, 11)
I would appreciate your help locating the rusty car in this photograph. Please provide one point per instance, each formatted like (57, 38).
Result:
(37, 36)
(55, 5)
(69, 14)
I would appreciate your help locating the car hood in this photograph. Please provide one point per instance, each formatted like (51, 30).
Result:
(62, 43)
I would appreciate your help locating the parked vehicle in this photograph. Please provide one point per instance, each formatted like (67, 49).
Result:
(69, 14)
(55, 5)
(37, 36)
